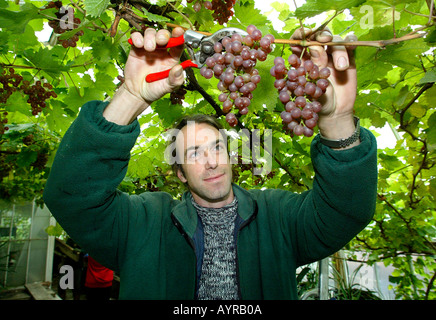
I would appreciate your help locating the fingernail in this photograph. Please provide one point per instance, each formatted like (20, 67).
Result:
(178, 72)
(314, 53)
(163, 37)
(342, 63)
(149, 45)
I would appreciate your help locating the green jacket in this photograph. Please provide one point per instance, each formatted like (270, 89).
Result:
(148, 239)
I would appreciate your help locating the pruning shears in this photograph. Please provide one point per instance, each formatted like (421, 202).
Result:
(199, 46)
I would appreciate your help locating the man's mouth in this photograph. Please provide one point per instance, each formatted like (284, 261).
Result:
(214, 178)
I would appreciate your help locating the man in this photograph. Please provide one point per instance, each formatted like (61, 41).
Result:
(219, 241)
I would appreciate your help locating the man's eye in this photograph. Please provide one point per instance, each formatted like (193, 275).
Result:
(193, 155)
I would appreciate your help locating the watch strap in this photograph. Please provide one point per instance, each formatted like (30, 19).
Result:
(343, 143)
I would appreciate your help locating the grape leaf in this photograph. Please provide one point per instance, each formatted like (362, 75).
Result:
(95, 8)
(4, 39)
(429, 77)
(154, 17)
(247, 14)
(404, 54)
(26, 157)
(16, 22)
(168, 113)
(265, 94)
(44, 59)
(314, 7)
(417, 110)
(58, 120)
(431, 37)
(431, 131)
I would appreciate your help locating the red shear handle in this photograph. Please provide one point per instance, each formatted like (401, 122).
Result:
(173, 42)
(152, 77)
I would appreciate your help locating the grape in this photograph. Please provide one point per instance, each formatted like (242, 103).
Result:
(222, 97)
(284, 97)
(222, 9)
(316, 106)
(306, 114)
(251, 28)
(218, 47)
(227, 106)
(299, 91)
(210, 62)
(178, 95)
(208, 74)
(262, 55)
(310, 123)
(279, 84)
(255, 79)
(208, 5)
(318, 93)
(231, 119)
(309, 88)
(218, 70)
(236, 46)
(37, 93)
(294, 60)
(314, 73)
(292, 75)
(233, 63)
(291, 125)
(256, 35)
(308, 65)
(307, 132)
(302, 81)
(243, 111)
(300, 85)
(265, 43)
(324, 73)
(197, 6)
(280, 69)
(289, 106)
(323, 84)
(296, 113)
(300, 102)
(298, 130)
(286, 117)
(55, 25)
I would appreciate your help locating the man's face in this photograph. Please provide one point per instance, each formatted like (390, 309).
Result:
(206, 166)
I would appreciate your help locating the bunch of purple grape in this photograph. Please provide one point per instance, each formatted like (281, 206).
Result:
(300, 87)
(234, 64)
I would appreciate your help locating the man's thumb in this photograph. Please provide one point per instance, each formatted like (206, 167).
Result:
(176, 78)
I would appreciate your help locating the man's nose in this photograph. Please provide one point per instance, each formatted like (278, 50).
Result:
(211, 159)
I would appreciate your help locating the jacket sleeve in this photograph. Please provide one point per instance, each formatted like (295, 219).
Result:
(340, 204)
(81, 191)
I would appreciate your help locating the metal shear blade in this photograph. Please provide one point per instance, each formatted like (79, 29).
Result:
(205, 44)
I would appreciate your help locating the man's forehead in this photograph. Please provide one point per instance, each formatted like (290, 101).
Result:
(195, 134)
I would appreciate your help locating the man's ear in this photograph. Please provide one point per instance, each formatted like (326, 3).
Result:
(181, 176)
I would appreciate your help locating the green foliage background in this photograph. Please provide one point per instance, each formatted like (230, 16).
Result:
(395, 85)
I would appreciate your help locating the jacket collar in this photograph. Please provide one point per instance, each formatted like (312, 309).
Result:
(186, 214)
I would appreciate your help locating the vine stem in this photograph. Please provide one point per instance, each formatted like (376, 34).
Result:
(308, 43)
(374, 43)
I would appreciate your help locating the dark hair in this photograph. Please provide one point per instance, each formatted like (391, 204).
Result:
(183, 122)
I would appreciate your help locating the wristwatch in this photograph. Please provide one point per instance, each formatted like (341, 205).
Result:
(342, 143)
